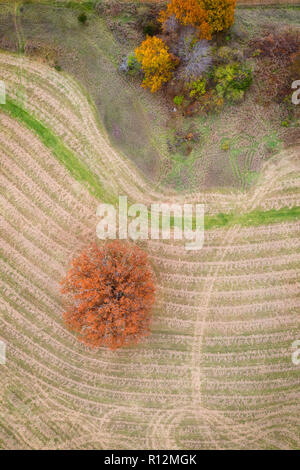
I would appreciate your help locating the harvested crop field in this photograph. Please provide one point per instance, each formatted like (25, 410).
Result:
(216, 371)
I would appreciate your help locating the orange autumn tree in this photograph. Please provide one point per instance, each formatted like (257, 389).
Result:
(110, 294)
(188, 12)
(156, 62)
(209, 16)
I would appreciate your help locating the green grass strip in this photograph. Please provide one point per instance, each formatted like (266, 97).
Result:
(65, 156)
(253, 218)
(248, 219)
(84, 175)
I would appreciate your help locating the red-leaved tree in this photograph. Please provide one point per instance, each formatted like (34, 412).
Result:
(110, 294)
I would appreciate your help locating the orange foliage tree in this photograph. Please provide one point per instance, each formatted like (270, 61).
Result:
(110, 294)
(156, 62)
(188, 12)
(209, 16)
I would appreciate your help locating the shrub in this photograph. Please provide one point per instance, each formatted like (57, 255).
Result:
(198, 88)
(171, 24)
(147, 19)
(211, 102)
(150, 29)
(130, 65)
(196, 58)
(273, 81)
(280, 46)
(225, 144)
(232, 80)
(277, 66)
(207, 103)
(225, 54)
(242, 79)
(295, 66)
(133, 64)
(82, 18)
(156, 62)
(178, 100)
(111, 293)
(186, 40)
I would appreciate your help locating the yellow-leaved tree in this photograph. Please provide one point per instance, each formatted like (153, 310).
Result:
(220, 14)
(156, 61)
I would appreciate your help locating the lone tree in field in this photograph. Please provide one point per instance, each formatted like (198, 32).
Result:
(111, 292)
(156, 62)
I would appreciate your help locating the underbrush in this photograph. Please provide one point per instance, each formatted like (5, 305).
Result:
(214, 77)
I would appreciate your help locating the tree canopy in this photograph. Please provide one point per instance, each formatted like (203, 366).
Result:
(209, 16)
(110, 294)
(156, 62)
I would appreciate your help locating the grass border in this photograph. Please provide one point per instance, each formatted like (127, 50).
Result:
(64, 155)
(84, 176)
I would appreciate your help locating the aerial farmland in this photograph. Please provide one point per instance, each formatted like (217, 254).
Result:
(140, 339)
